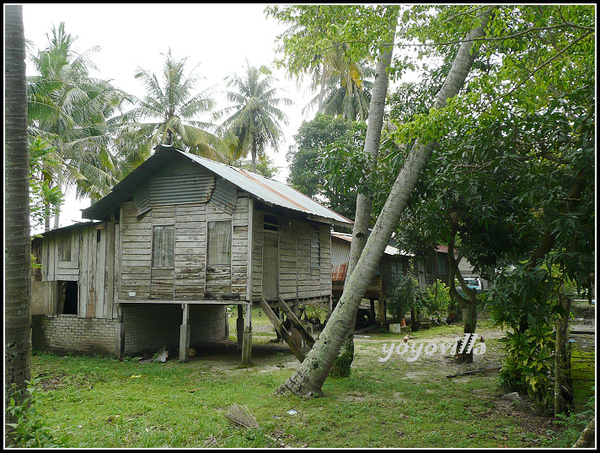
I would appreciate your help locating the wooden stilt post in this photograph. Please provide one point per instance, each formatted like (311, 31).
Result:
(372, 311)
(239, 325)
(381, 304)
(247, 337)
(185, 331)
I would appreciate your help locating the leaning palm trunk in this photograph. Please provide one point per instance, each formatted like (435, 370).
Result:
(17, 346)
(364, 201)
(310, 376)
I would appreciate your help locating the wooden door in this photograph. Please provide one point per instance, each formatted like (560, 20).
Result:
(270, 277)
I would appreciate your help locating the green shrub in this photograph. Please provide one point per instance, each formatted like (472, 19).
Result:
(436, 302)
(572, 425)
(26, 429)
(404, 296)
(529, 363)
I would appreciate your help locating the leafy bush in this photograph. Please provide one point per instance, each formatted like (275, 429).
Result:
(529, 363)
(315, 313)
(404, 296)
(431, 305)
(25, 429)
(573, 424)
(436, 302)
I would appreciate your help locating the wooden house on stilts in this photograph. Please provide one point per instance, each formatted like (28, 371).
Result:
(392, 265)
(168, 249)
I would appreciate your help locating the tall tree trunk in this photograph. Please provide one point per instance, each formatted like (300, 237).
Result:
(57, 217)
(254, 153)
(17, 359)
(364, 202)
(467, 304)
(310, 376)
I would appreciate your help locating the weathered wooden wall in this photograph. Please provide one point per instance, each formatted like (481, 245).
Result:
(296, 278)
(90, 264)
(189, 279)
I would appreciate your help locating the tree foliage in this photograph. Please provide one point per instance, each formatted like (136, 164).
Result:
(326, 161)
(511, 182)
(71, 110)
(45, 200)
(169, 113)
(255, 116)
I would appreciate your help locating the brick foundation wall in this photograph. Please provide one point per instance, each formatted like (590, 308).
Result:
(65, 333)
(149, 327)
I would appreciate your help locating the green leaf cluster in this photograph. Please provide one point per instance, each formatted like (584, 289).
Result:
(327, 161)
(404, 296)
(529, 363)
(25, 429)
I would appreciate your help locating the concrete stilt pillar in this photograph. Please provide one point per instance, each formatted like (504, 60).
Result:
(185, 335)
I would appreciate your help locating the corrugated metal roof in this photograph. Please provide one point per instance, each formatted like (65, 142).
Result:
(269, 191)
(389, 250)
(67, 228)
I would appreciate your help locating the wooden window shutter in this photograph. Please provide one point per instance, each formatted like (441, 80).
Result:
(219, 243)
(163, 246)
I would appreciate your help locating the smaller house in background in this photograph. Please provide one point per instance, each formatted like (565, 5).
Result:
(393, 263)
(433, 268)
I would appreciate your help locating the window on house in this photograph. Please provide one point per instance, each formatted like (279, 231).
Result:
(315, 248)
(65, 248)
(163, 246)
(219, 243)
(69, 297)
(442, 265)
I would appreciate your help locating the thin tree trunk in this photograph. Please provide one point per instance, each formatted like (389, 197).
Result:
(17, 359)
(563, 384)
(364, 202)
(310, 376)
(57, 217)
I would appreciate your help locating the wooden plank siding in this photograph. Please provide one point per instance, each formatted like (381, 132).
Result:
(190, 279)
(90, 264)
(296, 278)
(112, 261)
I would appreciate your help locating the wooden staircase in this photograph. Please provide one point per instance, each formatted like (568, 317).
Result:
(283, 332)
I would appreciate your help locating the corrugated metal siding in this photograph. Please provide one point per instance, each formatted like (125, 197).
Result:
(225, 195)
(167, 190)
(340, 254)
(181, 189)
(141, 199)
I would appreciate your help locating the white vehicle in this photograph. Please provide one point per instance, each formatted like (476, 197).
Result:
(474, 283)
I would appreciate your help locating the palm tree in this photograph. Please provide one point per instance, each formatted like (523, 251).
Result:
(171, 107)
(69, 109)
(256, 116)
(17, 346)
(343, 86)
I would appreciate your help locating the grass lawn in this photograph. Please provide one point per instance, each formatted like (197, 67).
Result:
(94, 402)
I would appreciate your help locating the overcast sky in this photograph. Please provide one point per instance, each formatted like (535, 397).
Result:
(220, 37)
